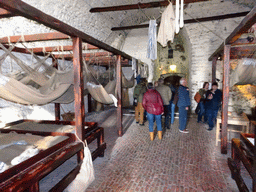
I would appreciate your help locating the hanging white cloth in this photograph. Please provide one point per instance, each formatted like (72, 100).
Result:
(167, 27)
(181, 13)
(177, 16)
(134, 67)
(152, 43)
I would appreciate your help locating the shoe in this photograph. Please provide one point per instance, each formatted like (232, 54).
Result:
(137, 122)
(141, 124)
(184, 131)
(151, 134)
(160, 134)
(167, 127)
(209, 129)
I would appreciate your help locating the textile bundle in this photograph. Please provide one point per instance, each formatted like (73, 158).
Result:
(152, 43)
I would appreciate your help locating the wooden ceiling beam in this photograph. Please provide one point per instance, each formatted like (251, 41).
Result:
(187, 21)
(5, 14)
(138, 6)
(243, 27)
(34, 37)
(240, 52)
(61, 48)
(25, 10)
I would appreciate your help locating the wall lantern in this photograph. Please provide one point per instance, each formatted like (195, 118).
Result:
(173, 68)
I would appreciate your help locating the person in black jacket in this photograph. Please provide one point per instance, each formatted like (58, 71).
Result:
(183, 104)
(212, 104)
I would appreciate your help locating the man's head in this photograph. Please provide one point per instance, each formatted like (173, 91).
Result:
(214, 86)
(150, 86)
(143, 81)
(183, 82)
(160, 81)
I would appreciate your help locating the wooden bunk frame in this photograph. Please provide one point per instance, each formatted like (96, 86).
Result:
(242, 150)
(229, 49)
(26, 175)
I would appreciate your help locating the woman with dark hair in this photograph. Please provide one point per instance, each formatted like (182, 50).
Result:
(202, 93)
(153, 104)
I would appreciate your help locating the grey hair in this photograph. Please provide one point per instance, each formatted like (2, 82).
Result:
(182, 80)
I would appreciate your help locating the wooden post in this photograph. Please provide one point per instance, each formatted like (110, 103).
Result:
(78, 87)
(119, 96)
(224, 118)
(89, 103)
(57, 105)
(214, 63)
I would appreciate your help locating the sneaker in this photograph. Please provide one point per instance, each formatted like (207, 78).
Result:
(184, 131)
(141, 124)
(137, 122)
(209, 129)
(167, 127)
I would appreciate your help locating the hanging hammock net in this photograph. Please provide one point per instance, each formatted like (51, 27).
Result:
(41, 83)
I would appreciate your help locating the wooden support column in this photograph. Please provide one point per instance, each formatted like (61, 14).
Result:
(57, 105)
(89, 103)
(119, 96)
(214, 63)
(78, 87)
(224, 118)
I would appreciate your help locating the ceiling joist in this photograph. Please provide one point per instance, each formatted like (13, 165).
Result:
(5, 14)
(187, 21)
(138, 6)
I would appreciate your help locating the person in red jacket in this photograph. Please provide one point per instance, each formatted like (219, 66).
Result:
(153, 104)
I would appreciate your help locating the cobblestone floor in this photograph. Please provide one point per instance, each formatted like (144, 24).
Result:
(179, 162)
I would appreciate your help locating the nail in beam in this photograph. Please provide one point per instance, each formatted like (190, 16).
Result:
(119, 96)
(78, 87)
(224, 117)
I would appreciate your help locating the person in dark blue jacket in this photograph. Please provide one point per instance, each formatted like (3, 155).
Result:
(183, 104)
(212, 104)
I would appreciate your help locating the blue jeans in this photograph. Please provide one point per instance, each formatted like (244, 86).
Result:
(201, 112)
(167, 116)
(183, 114)
(172, 111)
(211, 116)
(151, 119)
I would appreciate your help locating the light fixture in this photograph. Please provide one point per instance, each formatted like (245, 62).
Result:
(173, 68)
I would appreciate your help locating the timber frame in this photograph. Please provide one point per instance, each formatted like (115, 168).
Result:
(27, 174)
(233, 48)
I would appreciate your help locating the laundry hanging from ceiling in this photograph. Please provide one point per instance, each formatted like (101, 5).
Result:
(170, 23)
(152, 41)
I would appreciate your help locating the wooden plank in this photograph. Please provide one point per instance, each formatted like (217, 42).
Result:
(214, 63)
(243, 27)
(56, 105)
(25, 10)
(78, 87)
(224, 117)
(138, 6)
(34, 37)
(187, 21)
(61, 48)
(89, 99)
(119, 96)
(244, 51)
(38, 170)
(5, 14)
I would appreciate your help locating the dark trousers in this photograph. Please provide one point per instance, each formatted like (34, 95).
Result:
(201, 112)
(183, 114)
(211, 117)
(167, 116)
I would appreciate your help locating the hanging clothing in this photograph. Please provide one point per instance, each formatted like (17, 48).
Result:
(152, 43)
(167, 27)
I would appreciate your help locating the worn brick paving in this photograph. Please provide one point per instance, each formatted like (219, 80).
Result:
(179, 162)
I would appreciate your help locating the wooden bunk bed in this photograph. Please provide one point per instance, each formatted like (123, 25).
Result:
(26, 175)
(243, 150)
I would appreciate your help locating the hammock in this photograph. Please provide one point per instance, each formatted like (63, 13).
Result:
(244, 73)
(127, 83)
(97, 91)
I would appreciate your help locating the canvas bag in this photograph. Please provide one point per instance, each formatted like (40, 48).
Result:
(197, 97)
(85, 176)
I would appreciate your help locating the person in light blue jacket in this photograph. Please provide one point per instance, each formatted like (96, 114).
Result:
(183, 104)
